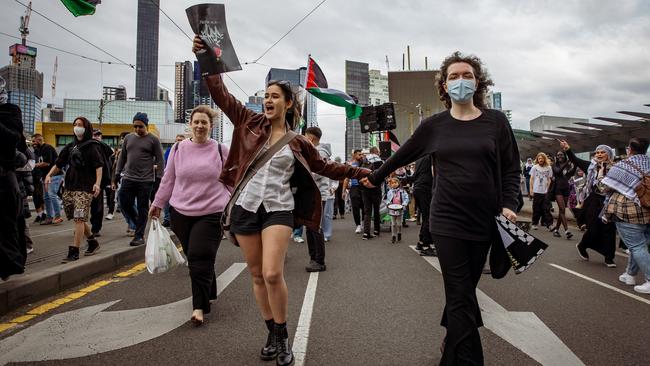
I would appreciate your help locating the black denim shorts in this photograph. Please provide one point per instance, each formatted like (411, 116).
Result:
(245, 222)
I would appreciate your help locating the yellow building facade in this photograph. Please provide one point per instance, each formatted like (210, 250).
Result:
(59, 134)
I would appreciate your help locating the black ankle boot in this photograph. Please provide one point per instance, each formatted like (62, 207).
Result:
(270, 350)
(285, 354)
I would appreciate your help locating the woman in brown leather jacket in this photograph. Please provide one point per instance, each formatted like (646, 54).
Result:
(281, 195)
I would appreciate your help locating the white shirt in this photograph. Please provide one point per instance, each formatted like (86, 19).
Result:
(541, 177)
(270, 185)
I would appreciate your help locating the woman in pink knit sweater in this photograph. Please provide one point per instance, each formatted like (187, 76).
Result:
(197, 198)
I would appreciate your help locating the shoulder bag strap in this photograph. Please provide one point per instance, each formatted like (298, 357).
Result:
(257, 165)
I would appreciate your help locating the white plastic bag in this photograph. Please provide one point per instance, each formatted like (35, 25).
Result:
(161, 253)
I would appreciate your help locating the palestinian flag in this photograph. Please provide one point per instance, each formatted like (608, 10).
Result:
(317, 85)
(81, 7)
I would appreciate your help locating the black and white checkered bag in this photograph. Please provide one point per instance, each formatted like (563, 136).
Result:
(522, 248)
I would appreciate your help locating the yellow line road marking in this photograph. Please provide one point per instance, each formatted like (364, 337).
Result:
(22, 319)
(42, 309)
(5, 326)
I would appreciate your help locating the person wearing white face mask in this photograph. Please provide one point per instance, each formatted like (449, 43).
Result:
(476, 178)
(82, 183)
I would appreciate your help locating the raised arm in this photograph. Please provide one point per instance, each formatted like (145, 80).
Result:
(231, 107)
(582, 164)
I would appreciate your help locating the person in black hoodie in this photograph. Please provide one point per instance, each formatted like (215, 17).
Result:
(477, 178)
(13, 251)
(82, 183)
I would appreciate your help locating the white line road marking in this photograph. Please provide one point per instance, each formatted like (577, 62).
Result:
(90, 330)
(524, 330)
(304, 322)
(635, 297)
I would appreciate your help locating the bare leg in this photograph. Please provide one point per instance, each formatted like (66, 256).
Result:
(276, 242)
(251, 246)
(81, 229)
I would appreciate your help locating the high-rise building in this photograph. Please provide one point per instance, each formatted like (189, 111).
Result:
(24, 84)
(494, 100)
(415, 95)
(378, 88)
(297, 79)
(52, 114)
(183, 90)
(162, 94)
(114, 93)
(146, 75)
(357, 85)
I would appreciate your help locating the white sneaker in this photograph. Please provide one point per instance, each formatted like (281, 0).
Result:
(644, 289)
(627, 279)
(298, 239)
(30, 250)
(109, 217)
(534, 227)
(359, 230)
(627, 251)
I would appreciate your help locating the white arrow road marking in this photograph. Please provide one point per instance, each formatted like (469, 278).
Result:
(304, 322)
(635, 297)
(524, 330)
(90, 330)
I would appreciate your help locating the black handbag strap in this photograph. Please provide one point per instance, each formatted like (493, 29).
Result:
(255, 167)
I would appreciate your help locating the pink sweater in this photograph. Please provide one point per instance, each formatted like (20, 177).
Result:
(191, 181)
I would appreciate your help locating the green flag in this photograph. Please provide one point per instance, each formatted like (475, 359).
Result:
(81, 7)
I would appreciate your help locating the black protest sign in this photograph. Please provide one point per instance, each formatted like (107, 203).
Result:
(209, 22)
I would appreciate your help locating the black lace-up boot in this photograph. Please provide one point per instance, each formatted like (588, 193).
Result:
(285, 354)
(270, 350)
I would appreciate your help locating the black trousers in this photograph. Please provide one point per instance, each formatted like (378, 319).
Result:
(200, 237)
(541, 211)
(356, 201)
(97, 213)
(38, 197)
(423, 202)
(461, 262)
(339, 202)
(316, 245)
(129, 191)
(13, 250)
(110, 199)
(371, 202)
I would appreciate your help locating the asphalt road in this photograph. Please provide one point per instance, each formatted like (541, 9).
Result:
(377, 304)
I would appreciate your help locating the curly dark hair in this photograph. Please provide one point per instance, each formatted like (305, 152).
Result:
(480, 74)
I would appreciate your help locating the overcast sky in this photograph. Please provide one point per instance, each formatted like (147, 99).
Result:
(558, 57)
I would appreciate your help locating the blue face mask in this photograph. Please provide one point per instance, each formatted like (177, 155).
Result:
(461, 90)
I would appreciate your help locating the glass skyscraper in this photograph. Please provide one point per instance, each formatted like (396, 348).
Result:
(357, 84)
(118, 111)
(146, 76)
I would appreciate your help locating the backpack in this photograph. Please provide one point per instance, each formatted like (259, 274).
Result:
(77, 160)
(642, 190)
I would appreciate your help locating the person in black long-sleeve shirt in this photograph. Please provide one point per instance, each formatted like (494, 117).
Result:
(563, 170)
(477, 177)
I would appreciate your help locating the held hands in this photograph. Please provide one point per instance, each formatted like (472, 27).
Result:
(509, 214)
(366, 183)
(113, 186)
(154, 212)
(197, 45)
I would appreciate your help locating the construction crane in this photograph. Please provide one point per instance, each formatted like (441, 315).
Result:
(56, 66)
(387, 64)
(24, 24)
